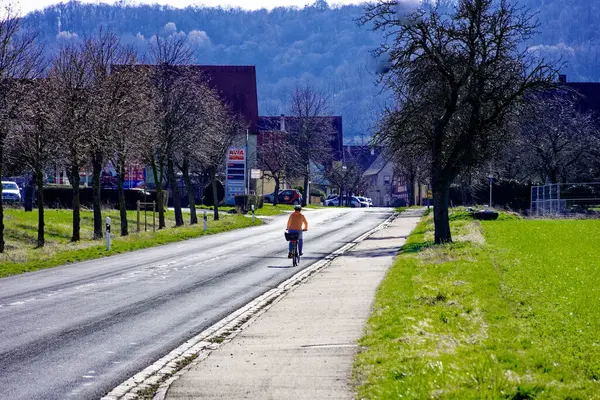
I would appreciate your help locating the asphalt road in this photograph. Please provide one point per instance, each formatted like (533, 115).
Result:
(80, 330)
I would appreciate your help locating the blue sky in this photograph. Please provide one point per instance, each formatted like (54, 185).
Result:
(30, 5)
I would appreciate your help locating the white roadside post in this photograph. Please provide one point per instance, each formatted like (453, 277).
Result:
(205, 221)
(108, 233)
(253, 217)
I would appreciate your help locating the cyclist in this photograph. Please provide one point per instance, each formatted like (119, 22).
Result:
(297, 224)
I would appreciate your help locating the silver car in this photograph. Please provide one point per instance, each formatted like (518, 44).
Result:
(10, 192)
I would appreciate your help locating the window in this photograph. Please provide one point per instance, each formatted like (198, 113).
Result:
(386, 180)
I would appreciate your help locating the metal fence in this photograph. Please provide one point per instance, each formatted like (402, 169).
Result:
(558, 199)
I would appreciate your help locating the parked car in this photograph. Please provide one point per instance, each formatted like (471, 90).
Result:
(10, 192)
(353, 202)
(269, 198)
(290, 196)
(364, 202)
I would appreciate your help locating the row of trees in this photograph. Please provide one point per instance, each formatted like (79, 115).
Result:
(96, 102)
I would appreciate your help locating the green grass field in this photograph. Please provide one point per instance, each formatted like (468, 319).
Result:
(511, 310)
(21, 237)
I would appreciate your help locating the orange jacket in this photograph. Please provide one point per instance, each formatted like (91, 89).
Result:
(296, 221)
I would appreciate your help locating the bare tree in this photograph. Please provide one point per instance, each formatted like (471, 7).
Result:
(347, 177)
(115, 100)
(177, 90)
(19, 59)
(311, 131)
(461, 76)
(277, 158)
(33, 142)
(71, 76)
(126, 100)
(554, 136)
(192, 154)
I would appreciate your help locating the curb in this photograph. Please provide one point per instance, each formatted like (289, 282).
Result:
(169, 368)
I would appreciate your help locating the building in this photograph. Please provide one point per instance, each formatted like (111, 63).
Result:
(590, 92)
(385, 187)
(389, 188)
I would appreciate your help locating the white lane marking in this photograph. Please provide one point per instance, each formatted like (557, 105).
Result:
(88, 376)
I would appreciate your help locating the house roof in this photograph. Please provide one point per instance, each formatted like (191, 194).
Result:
(378, 165)
(236, 85)
(363, 155)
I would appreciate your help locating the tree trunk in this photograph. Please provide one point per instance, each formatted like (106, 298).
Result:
(275, 195)
(159, 192)
(39, 181)
(441, 198)
(175, 190)
(213, 178)
(96, 174)
(122, 203)
(1, 203)
(306, 194)
(411, 190)
(76, 203)
(190, 191)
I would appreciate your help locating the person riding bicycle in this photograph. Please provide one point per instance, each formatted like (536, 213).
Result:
(297, 224)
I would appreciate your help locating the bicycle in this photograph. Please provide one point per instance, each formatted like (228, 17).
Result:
(294, 237)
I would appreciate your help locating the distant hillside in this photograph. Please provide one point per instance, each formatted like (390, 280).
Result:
(319, 44)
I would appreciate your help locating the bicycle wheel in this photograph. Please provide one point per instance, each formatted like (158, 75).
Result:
(295, 258)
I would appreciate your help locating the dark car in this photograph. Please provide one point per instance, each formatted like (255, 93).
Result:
(269, 198)
(290, 196)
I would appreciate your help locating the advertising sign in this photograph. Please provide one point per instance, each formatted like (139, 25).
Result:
(235, 182)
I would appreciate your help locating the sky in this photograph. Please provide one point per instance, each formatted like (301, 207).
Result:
(31, 5)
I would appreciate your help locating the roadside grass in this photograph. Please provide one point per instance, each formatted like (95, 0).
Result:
(21, 237)
(511, 310)
(271, 210)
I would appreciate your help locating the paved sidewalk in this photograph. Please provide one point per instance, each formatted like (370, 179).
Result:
(303, 347)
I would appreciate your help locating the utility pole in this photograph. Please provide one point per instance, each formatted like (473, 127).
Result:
(491, 178)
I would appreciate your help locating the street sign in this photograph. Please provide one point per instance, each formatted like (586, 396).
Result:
(255, 173)
(235, 182)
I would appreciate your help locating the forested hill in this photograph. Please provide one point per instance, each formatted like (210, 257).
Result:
(318, 44)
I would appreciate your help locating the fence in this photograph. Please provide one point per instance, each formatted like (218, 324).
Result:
(565, 199)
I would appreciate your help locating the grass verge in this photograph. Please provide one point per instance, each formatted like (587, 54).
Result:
(21, 237)
(509, 311)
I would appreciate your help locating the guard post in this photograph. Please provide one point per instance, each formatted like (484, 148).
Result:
(107, 233)
(205, 221)
(253, 216)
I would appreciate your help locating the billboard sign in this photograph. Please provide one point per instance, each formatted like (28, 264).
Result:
(235, 178)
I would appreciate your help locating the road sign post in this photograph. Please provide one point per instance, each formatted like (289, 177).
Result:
(107, 233)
